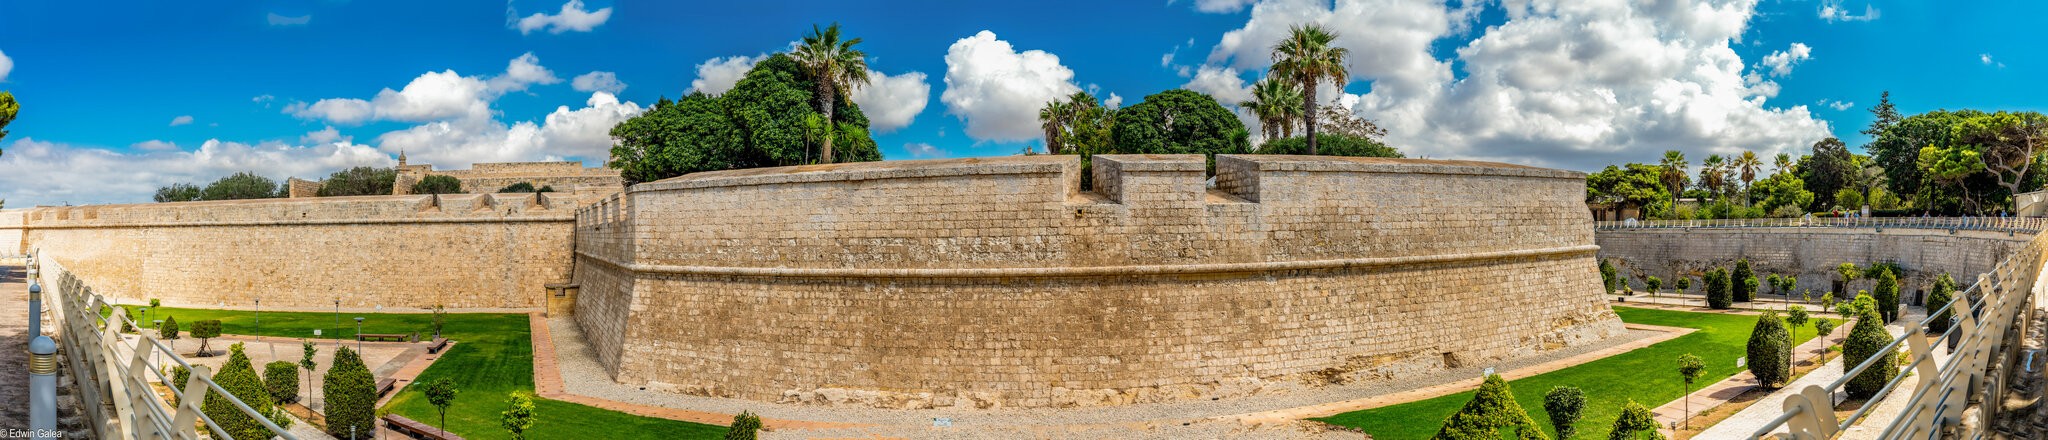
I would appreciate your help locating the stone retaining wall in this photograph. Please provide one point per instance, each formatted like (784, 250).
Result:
(1809, 253)
(1000, 282)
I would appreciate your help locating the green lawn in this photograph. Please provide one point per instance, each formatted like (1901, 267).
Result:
(1649, 375)
(493, 358)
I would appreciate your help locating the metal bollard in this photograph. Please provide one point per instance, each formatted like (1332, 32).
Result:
(35, 309)
(42, 387)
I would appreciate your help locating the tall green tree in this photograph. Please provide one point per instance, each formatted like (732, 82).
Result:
(437, 184)
(836, 68)
(1276, 102)
(1630, 184)
(238, 186)
(1689, 369)
(1179, 121)
(1829, 169)
(1307, 57)
(8, 108)
(359, 181)
(1747, 166)
(1674, 170)
(1713, 176)
(1331, 144)
(760, 122)
(177, 192)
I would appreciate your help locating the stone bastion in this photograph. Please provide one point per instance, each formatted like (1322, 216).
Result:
(1001, 282)
(1811, 254)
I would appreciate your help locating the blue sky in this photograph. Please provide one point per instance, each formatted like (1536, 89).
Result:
(119, 98)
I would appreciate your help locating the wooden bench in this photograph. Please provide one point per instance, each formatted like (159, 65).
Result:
(385, 386)
(415, 429)
(380, 337)
(439, 344)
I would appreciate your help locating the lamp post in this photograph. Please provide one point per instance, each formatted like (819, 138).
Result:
(337, 321)
(145, 315)
(359, 335)
(259, 319)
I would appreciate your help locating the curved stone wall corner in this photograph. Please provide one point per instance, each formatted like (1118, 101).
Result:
(1000, 282)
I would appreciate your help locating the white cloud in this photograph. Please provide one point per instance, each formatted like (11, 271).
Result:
(181, 120)
(719, 74)
(997, 91)
(324, 136)
(1114, 101)
(1988, 61)
(1222, 6)
(920, 150)
(280, 20)
(1560, 84)
(1837, 105)
(6, 66)
(1781, 62)
(598, 82)
(892, 102)
(583, 133)
(154, 145)
(572, 18)
(264, 98)
(1832, 11)
(432, 96)
(1223, 83)
(36, 172)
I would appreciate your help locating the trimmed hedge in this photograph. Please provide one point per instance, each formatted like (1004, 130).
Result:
(1564, 405)
(281, 378)
(1887, 294)
(351, 395)
(1635, 422)
(1865, 341)
(170, 328)
(205, 330)
(1942, 293)
(1718, 295)
(238, 377)
(1769, 348)
(1607, 276)
(1492, 408)
(1744, 284)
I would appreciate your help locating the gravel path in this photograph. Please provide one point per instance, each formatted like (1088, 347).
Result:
(583, 375)
(13, 349)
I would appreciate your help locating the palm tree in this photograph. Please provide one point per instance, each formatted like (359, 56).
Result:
(1277, 104)
(836, 66)
(1749, 165)
(1053, 119)
(1784, 163)
(1674, 174)
(1712, 176)
(1307, 58)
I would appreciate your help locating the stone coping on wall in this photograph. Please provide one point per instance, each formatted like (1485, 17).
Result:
(1089, 271)
(444, 208)
(1278, 162)
(1046, 164)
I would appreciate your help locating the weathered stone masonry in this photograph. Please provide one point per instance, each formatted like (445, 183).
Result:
(999, 282)
(1809, 253)
(464, 251)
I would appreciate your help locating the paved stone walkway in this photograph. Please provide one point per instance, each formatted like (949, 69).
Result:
(1721, 392)
(13, 348)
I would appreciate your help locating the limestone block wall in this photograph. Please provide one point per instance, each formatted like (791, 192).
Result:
(10, 231)
(999, 282)
(1809, 253)
(463, 251)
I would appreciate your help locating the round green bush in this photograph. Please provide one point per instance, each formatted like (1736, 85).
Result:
(281, 378)
(1942, 293)
(238, 377)
(1564, 405)
(1887, 294)
(1718, 295)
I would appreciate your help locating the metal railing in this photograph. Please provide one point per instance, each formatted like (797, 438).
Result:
(1984, 315)
(2027, 225)
(110, 364)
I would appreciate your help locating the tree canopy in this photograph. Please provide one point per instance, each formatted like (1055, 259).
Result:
(360, 181)
(767, 119)
(1331, 144)
(438, 184)
(243, 185)
(8, 108)
(1179, 121)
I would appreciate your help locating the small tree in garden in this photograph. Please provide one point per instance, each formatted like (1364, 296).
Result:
(1492, 408)
(1654, 284)
(441, 393)
(1845, 273)
(1942, 293)
(745, 425)
(1866, 341)
(1887, 294)
(1635, 423)
(1607, 275)
(1718, 295)
(1768, 346)
(1796, 317)
(1689, 369)
(1682, 283)
(169, 330)
(518, 419)
(1744, 284)
(1827, 301)
(440, 318)
(306, 363)
(1564, 404)
(1822, 327)
(281, 378)
(1777, 284)
(205, 330)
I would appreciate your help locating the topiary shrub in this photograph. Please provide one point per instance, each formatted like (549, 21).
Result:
(1635, 423)
(1887, 294)
(519, 419)
(1683, 283)
(1607, 276)
(1822, 327)
(1744, 284)
(1768, 347)
(169, 330)
(745, 426)
(1718, 295)
(1564, 405)
(1777, 284)
(1865, 341)
(1493, 407)
(179, 375)
(281, 378)
(1653, 283)
(238, 377)
(1845, 273)
(205, 330)
(351, 395)
(1942, 293)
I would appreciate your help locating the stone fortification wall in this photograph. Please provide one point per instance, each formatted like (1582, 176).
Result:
(10, 231)
(568, 177)
(999, 282)
(1809, 253)
(464, 251)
